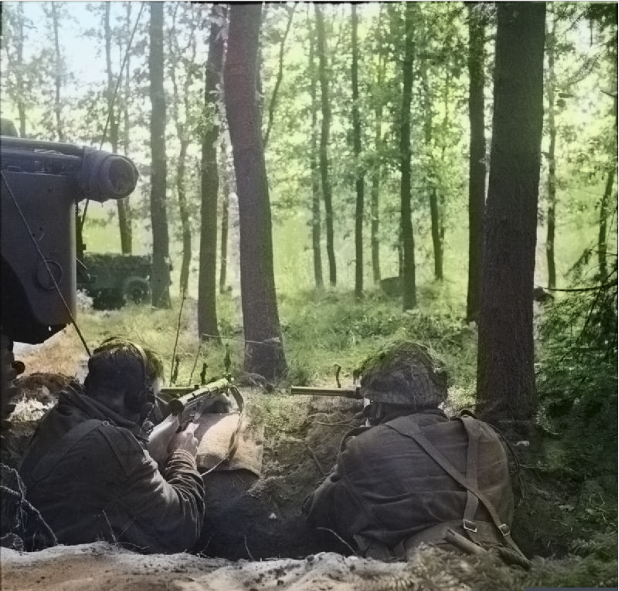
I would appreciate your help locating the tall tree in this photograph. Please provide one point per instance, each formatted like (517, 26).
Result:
(224, 167)
(55, 11)
(409, 296)
(477, 156)
(207, 281)
(280, 73)
(359, 172)
(505, 378)
(160, 280)
(606, 201)
(314, 161)
(325, 129)
(182, 72)
(264, 351)
(113, 116)
(551, 43)
(378, 104)
(19, 75)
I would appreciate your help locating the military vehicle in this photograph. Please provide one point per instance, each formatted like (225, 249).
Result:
(41, 184)
(113, 280)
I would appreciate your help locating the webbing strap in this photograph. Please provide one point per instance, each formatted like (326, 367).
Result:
(416, 435)
(36, 469)
(472, 502)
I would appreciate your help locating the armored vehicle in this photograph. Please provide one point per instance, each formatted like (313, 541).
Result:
(112, 280)
(41, 183)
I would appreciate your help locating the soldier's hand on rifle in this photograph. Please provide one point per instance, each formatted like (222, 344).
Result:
(184, 440)
(160, 438)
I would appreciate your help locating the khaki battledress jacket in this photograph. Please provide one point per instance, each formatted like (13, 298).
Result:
(88, 473)
(385, 489)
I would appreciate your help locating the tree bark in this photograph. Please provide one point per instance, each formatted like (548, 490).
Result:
(207, 280)
(160, 280)
(477, 159)
(124, 226)
(280, 76)
(314, 165)
(182, 97)
(433, 197)
(264, 351)
(324, 141)
(376, 169)
(605, 206)
(58, 72)
(505, 377)
(552, 148)
(225, 217)
(409, 297)
(359, 170)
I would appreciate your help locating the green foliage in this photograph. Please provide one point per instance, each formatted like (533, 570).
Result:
(317, 324)
(577, 377)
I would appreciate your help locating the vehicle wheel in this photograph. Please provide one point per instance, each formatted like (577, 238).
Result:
(136, 291)
(107, 299)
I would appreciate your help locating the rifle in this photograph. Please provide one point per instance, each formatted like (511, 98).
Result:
(190, 402)
(193, 401)
(342, 392)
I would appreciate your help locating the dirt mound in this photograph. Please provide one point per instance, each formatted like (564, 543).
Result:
(103, 566)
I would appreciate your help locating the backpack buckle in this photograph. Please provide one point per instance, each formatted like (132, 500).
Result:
(504, 528)
(469, 525)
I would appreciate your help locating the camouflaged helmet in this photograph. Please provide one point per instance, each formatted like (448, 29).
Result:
(405, 374)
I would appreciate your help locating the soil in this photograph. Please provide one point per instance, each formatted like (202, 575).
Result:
(255, 536)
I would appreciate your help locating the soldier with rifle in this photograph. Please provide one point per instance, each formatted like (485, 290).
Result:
(413, 475)
(94, 474)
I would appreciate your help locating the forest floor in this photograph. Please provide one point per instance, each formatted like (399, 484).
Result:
(255, 535)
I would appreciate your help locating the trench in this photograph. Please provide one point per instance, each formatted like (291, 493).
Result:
(247, 516)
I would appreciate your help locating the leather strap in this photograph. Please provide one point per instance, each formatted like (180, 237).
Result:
(416, 435)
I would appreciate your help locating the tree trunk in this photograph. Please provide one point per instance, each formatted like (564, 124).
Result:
(314, 165)
(506, 382)
(409, 297)
(324, 141)
(605, 206)
(433, 199)
(359, 172)
(58, 67)
(183, 124)
(19, 76)
(207, 281)
(121, 204)
(280, 76)
(160, 280)
(603, 225)
(477, 158)
(225, 217)
(376, 169)
(552, 164)
(264, 351)
(183, 283)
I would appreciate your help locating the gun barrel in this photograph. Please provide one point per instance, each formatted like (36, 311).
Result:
(342, 392)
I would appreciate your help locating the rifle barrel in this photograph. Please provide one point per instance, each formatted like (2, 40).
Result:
(342, 392)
